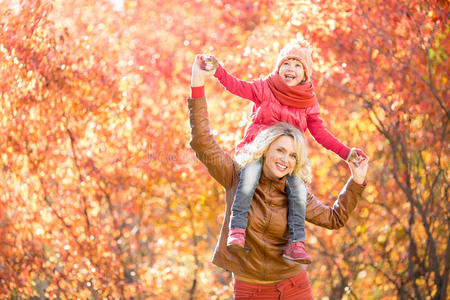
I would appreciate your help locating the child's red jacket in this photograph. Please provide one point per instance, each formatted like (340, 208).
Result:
(267, 111)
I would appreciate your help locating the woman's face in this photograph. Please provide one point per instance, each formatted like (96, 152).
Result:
(280, 158)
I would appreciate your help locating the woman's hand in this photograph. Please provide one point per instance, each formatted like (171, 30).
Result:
(359, 171)
(198, 75)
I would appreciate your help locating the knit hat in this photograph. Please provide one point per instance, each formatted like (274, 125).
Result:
(300, 50)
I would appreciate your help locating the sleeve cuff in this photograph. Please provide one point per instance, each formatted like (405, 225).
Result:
(197, 91)
(348, 151)
(360, 186)
(218, 71)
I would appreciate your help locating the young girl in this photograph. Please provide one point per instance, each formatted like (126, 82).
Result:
(286, 95)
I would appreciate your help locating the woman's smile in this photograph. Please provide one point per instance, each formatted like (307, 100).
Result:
(281, 167)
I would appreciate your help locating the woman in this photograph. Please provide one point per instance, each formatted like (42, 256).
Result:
(259, 271)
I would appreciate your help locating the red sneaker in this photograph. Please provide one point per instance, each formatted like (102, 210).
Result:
(236, 238)
(296, 252)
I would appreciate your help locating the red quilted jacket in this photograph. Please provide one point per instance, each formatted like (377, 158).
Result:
(267, 111)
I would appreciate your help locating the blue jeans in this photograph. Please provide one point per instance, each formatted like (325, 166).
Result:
(296, 193)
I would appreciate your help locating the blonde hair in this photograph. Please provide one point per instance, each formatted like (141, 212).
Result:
(256, 150)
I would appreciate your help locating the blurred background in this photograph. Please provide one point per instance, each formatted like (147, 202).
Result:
(101, 196)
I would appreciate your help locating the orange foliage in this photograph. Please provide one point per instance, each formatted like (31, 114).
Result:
(103, 198)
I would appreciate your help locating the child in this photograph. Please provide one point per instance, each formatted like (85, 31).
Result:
(286, 95)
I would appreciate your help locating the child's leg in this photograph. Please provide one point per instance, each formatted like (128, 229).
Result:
(296, 192)
(248, 181)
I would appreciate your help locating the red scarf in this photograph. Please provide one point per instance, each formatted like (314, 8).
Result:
(300, 96)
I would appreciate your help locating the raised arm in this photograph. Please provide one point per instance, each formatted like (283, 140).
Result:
(220, 165)
(334, 217)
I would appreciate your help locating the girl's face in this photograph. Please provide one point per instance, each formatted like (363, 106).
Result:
(280, 158)
(291, 71)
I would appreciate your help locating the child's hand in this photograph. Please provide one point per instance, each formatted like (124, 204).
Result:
(356, 156)
(209, 62)
(198, 75)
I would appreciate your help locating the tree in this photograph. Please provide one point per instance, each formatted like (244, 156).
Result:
(102, 197)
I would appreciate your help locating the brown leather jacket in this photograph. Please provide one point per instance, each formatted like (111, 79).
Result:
(267, 231)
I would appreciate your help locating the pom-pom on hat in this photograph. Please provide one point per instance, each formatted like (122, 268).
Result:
(300, 50)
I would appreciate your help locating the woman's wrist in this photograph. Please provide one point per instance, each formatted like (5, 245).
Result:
(197, 80)
(197, 77)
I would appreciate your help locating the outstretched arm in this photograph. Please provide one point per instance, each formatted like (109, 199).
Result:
(245, 89)
(329, 141)
(324, 137)
(334, 217)
(219, 164)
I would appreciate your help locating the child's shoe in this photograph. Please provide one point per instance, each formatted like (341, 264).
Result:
(296, 252)
(236, 238)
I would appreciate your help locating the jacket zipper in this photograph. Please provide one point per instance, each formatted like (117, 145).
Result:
(267, 226)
